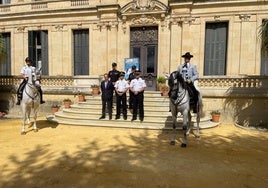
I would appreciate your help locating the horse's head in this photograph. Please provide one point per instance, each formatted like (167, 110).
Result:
(33, 77)
(175, 82)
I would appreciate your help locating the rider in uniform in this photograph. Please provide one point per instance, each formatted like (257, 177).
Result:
(26, 71)
(190, 76)
(121, 87)
(137, 86)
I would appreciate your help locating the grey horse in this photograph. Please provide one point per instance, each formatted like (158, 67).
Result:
(180, 102)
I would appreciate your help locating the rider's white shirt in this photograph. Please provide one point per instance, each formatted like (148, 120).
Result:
(27, 70)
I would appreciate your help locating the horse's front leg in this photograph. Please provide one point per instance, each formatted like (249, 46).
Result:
(35, 117)
(184, 128)
(190, 126)
(174, 120)
(23, 132)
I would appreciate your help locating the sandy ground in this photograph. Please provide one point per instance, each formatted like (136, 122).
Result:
(78, 156)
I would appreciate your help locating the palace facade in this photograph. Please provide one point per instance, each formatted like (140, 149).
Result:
(84, 37)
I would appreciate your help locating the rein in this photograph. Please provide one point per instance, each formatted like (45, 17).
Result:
(180, 94)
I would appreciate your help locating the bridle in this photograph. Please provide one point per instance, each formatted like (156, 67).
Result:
(180, 91)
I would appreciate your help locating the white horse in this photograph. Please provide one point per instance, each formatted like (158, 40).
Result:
(180, 102)
(30, 99)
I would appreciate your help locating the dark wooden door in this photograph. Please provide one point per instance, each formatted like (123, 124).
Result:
(144, 45)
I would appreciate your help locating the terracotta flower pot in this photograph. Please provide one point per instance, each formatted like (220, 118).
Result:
(216, 117)
(81, 98)
(67, 104)
(54, 110)
(95, 90)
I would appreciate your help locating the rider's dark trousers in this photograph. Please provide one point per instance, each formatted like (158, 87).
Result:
(20, 89)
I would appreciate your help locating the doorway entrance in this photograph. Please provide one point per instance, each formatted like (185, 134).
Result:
(144, 45)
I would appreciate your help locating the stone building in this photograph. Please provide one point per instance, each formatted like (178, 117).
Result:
(81, 38)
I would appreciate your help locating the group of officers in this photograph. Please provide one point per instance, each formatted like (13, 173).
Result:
(115, 80)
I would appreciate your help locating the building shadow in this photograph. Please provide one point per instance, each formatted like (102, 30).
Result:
(247, 102)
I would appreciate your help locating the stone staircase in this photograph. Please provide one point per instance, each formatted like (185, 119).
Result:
(156, 114)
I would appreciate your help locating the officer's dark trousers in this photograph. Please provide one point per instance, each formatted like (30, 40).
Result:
(138, 103)
(121, 102)
(109, 106)
(130, 102)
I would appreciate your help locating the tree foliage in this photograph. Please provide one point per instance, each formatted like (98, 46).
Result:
(263, 33)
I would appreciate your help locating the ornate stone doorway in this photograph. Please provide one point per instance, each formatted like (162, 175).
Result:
(144, 45)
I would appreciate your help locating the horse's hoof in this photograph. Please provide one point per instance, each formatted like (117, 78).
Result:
(35, 130)
(183, 145)
(23, 133)
(172, 142)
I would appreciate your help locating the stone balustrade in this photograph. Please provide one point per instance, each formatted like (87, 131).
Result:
(220, 86)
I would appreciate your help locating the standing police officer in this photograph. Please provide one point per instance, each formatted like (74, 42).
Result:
(131, 77)
(121, 87)
(137, 86)
(113, 75)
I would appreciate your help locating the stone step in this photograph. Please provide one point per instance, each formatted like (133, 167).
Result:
(63, 119)
(148, 116)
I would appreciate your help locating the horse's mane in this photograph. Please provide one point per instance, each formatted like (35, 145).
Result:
(178, 77)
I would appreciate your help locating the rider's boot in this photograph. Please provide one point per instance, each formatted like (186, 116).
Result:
(19, 99)
(41, 96)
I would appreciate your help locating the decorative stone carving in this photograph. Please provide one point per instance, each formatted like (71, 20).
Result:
(244, 17)
(21, 29)
(143, 20)
(59, 27)
(137, 6)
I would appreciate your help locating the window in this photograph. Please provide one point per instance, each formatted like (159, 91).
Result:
(215, 48)
(4, 1)
(38, 49)
(5, 65)
(81, 52)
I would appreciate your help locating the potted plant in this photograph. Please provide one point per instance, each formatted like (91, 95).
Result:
(215, 114)
(161, 82)
(95, 89)
(67, 103)
(81, 96)
(54, 108)
(164, 90)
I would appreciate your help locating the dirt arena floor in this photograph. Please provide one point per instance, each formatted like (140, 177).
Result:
(78, 156)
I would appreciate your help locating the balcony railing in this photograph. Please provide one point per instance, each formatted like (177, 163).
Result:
(245, 86)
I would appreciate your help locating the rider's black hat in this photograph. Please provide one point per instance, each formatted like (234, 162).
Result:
(114, 64)
(133, 67)
(187, 55)
(28, 59)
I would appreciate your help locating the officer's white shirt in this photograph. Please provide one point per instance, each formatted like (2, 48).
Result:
(121, 85)
(137, 84)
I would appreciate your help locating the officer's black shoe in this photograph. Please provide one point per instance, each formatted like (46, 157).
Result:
(141, 119)
(117, 117)
(18, 103)
(102, 117)
(133, 119)
(125, 117)
(42, 102)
